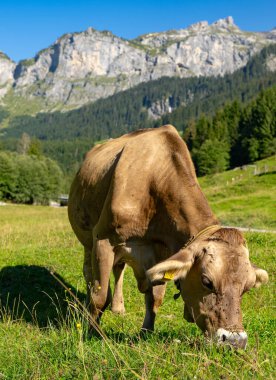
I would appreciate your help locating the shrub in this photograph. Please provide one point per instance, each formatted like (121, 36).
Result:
(211, 157)
(28, 179)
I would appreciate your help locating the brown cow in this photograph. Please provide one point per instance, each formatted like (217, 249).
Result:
(136, 200)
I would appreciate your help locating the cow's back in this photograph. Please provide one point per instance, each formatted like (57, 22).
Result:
(91, 185)
(114, 187)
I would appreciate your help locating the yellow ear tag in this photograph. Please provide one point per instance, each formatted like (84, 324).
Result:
(168, 276)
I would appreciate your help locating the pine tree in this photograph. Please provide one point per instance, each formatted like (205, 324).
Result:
(212, 157)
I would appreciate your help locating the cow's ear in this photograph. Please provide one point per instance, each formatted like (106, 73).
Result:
(261, 276)
(173, 268)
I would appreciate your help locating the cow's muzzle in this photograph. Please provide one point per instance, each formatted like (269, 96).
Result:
(235, 339)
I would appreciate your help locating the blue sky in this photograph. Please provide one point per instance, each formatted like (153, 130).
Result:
(27, 26)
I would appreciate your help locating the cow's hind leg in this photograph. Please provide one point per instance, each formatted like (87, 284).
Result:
(118, 297)
(87, 273)
(102, 259)
(153, 299)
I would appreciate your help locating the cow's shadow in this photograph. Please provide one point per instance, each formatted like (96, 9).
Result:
(166, 337)
(33, 294)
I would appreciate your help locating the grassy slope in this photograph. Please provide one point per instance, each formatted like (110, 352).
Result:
(240, 198)
(33, 345)
(19, 105)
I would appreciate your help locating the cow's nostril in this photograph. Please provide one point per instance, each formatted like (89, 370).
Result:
(235, 339)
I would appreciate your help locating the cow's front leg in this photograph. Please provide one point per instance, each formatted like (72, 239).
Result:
(100, 293)
(118, 296)
(153, 299)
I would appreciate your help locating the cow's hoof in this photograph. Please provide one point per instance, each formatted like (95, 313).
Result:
(145, 333)
(118, 310)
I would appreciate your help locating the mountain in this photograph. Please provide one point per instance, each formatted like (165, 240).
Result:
(166, 100)
(80, 68)
(7, 67)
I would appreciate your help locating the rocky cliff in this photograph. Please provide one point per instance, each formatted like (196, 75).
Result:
(7, 67)
(83, 67)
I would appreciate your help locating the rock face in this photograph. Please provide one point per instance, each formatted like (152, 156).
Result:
(83, 67)
(7, 67)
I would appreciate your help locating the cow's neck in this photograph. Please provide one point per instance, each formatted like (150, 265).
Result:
(188, 216)
(195, 212)
(182, 209)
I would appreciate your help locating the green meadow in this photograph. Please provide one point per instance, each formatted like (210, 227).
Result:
(244, 197)
(43, 325)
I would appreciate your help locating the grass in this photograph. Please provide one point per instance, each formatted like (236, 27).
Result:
(27, 62)
(42, 329)
(245, 196)
(17, 105)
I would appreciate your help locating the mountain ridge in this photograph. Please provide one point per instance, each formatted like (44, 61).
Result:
(158, 102)
(80, 68)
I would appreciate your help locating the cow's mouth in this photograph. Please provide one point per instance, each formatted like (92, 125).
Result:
(232, 338)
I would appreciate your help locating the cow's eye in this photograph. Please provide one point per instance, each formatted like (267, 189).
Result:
(207, 283)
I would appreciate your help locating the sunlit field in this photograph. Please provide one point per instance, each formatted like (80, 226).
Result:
(245, 196)
(43, 327)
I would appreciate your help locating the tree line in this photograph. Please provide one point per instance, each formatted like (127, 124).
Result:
(237, 134)
(29, 178)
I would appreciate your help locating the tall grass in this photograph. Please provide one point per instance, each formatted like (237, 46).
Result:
(43, 327)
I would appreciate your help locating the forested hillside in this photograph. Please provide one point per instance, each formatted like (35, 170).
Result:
(237, 134)
(211, 111)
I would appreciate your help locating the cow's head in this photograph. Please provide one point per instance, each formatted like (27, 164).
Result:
(213, 273)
